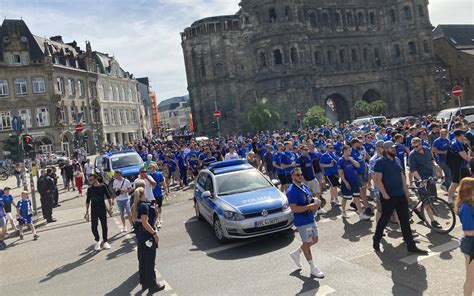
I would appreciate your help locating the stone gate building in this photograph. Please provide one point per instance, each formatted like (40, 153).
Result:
(301, 53)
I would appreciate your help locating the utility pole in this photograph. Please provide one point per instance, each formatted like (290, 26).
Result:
(29, 164)
(218, 121)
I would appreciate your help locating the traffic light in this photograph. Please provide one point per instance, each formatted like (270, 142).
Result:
(27, 144)
(12, 148)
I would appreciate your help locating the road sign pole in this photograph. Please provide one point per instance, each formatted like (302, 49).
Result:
(218, 122)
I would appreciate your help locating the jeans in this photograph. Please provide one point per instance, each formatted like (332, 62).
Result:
(447, 174)
(399, 204)
(96, 215)
(18, 179)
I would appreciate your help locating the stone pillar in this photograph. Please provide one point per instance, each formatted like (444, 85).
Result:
(113, 140)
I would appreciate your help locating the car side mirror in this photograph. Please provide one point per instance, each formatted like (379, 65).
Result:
(276, 182)
(206, 194)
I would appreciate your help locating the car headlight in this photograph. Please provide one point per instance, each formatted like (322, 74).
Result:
(286, 205)
(229, 215)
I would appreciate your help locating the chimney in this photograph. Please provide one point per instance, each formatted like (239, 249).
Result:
(57, 38)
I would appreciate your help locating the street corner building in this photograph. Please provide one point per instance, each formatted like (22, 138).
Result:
(54, 86)
(303, 53)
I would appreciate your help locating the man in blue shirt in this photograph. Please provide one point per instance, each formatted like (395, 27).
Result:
(458, 163)
(24, 214)
(303, 205)
(328, 163)
(440, 150)
(183, 167)
(158, 192)
(359, 155)
(390, 180)
(400, 149)
(3, 222)
(8, 202)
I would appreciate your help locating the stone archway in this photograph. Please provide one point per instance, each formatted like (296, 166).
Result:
(337, 108)
(371, 95)
(67, 143)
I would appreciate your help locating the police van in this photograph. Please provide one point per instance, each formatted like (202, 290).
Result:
(127, 161)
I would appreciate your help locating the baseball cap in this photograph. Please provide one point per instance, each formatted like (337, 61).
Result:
(388, 144)
(379, 143)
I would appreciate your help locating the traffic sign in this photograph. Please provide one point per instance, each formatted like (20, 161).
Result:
(457, 91)
(79, 128)
(16, 124)
(217, 114)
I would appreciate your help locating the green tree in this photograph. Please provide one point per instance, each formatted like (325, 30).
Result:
(315, 116)
(374, 108)
(262, 116)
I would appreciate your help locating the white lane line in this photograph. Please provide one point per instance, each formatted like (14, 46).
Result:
(321, 291)
(433, 252)
(326, 220)
(226, 247)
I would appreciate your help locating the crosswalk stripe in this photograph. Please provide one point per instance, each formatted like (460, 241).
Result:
(433, 252)
(321, 291)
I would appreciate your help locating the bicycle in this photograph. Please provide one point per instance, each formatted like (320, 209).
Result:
(442, 218)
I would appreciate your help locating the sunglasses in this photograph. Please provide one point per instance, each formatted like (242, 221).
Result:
(416, 147)
(142, 172)
(297, 175)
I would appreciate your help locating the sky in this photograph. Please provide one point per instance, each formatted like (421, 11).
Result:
(144, 35)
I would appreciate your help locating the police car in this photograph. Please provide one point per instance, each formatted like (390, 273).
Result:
(239, 201)
(128, 161)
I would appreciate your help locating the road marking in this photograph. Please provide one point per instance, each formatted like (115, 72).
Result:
(326, 220)
(223, 248)
(321, 291)
(433, 252)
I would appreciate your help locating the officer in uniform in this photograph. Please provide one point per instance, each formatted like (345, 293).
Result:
(143, 215)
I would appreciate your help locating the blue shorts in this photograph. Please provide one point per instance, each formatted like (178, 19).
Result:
(363, 179)
(308, 232)
(124, 206)
(354, 191)
(467, 245)
(26, 220)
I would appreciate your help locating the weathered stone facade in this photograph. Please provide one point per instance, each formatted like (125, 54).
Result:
(302, 53)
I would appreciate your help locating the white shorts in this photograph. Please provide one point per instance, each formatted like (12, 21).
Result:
(314, 186)
(9, 216)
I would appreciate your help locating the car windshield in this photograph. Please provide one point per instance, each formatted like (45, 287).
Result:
(126, 161)
(379, 120)
(445, 113)
(239, 182)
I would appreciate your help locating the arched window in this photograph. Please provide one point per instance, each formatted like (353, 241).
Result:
(313, 20)
(378, 60)
(277, 57)
(396, 51)
(122, 94)
(426, 46)
(129, 95)
(220, 71)
(294, 55)
(110, 95)
(325, 19)
(342, 56)
(349, 18)
(412, 47)
(288, 14)
(355, 56)
(102, 95)
(393, 16)
(330, 57)
(421, 10)
(273, 15)
(360, 18)
(366, 54)
(337, 18)
(116, 93)
(372, 18)
(317, 57)
(407, 13)
(262, 59)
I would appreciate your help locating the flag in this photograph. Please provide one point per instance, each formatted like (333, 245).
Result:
(191, 124)
(450, 124)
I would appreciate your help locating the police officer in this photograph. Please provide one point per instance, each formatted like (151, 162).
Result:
(47, 200)
(143, 215)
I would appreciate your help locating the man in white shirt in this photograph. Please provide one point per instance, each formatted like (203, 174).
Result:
(149, 184)
(121, 188)
(232, 154)
(88, 170)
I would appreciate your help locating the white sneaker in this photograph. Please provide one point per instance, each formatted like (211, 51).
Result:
(363, 217)
(317, 273)
(344, 214)
(98, 246)
(159, 224)
(107, 246)
(295, 256)
(322, 211)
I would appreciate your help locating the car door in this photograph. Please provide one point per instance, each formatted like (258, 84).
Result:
(198, 190)
(208, 202)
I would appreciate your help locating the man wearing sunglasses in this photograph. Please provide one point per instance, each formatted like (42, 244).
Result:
(303, 205)
(390, 180)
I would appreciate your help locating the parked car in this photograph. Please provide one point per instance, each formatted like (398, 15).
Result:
(411, 119)
(55, 158)
(446, 113)
(239, 201)
(370, 120)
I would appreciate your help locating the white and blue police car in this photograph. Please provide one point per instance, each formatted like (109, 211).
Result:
(239, 201)
(127, 161)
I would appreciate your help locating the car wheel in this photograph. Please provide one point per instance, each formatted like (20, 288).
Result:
(218, 232)
(196, 210)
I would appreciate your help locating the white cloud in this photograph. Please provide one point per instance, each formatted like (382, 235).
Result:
(144, 35)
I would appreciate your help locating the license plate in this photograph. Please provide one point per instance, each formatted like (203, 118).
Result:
(266, 222)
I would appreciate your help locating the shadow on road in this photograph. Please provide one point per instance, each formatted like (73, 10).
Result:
(354, 232)
(309, 283)
(203, 239)
(126, 287)
(126, 247)
(86, 257)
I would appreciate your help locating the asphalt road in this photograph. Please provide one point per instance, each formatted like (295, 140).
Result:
(191, 262)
